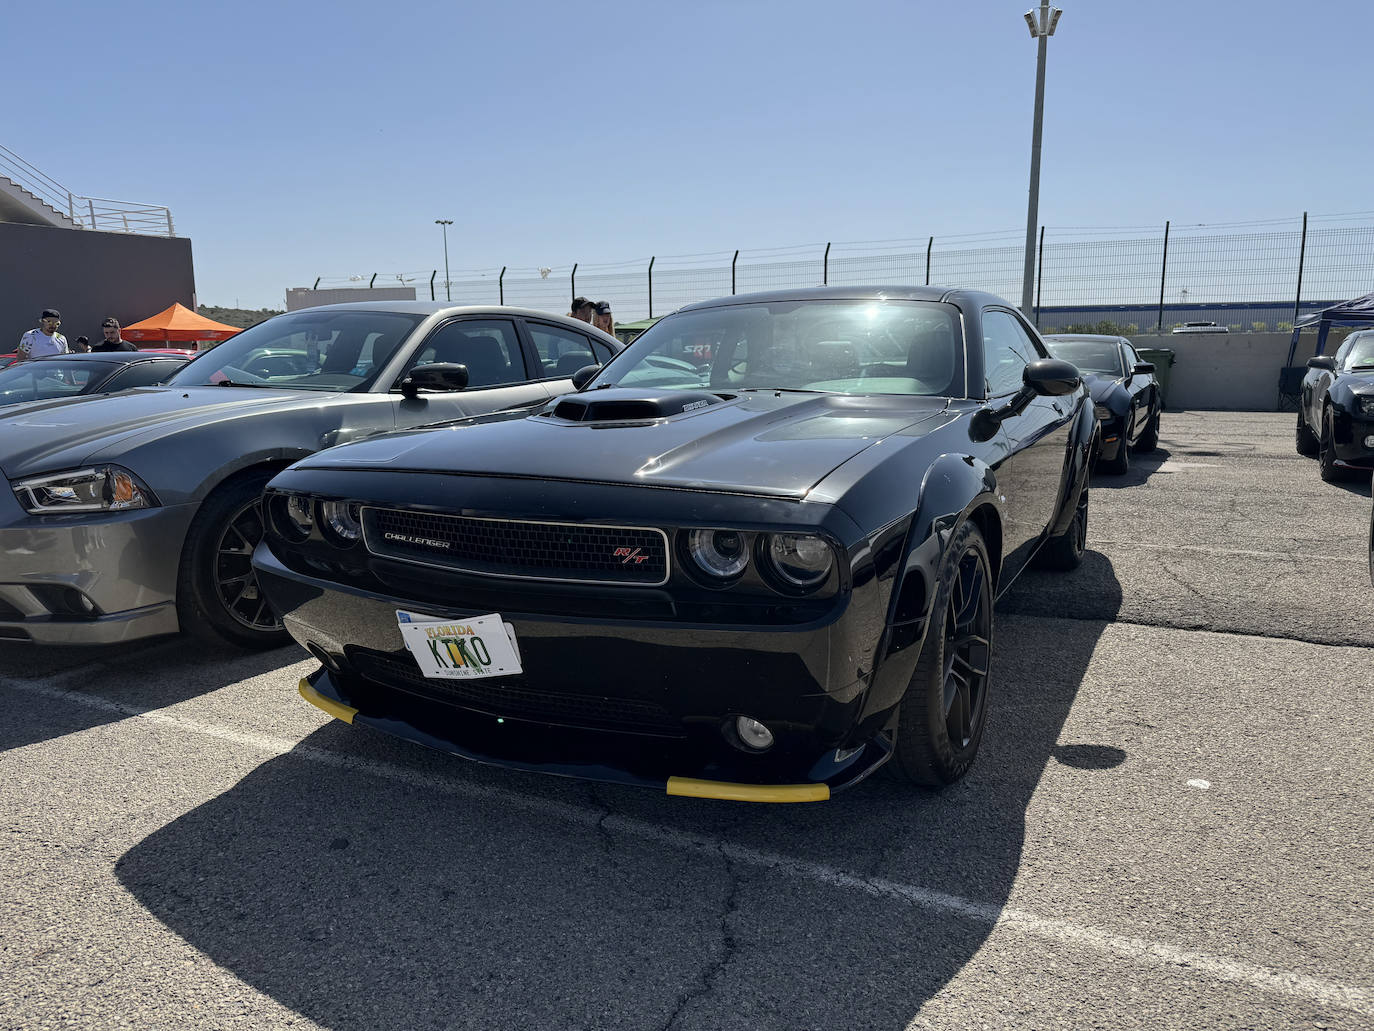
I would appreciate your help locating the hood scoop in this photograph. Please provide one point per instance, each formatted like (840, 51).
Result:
(626, 404)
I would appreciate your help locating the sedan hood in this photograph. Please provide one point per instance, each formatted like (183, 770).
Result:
(45, 436)
(1100, 385)
(758, 443)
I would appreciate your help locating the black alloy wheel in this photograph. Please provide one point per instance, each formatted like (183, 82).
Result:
(1330, 471)
(1149, 439)
(1065, 552)
(218, 598)
(944, 710)
(1306, 441)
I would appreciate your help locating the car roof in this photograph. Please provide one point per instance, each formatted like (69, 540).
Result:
(953, 295)
(428, 308)
(105, 356)
(1097, 338)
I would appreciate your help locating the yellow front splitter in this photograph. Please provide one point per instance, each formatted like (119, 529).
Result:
(336, 709)
(687, 787)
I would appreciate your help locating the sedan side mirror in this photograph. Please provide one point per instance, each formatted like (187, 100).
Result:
(584, 375)
(1051, 377)
(435, 376)
(1323, 361)
(1143, 369)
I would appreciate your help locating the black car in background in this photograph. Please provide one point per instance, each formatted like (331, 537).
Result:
(1336, 408)
(71, 375)
(1124, 390)
(755, 557)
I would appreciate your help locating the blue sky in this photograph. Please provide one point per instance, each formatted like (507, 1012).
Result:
(299, 140)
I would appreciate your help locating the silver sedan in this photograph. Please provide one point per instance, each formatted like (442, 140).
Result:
(137, 514)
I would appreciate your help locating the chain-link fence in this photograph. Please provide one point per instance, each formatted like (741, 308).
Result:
(1246, 276)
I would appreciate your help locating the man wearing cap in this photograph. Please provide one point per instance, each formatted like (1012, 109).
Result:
(603, 320)
(44, 340)
(113, 341)
(583, 309)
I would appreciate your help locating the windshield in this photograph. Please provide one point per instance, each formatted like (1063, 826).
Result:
(47, 379)
(1102, 356)
(832, 346)
(308, 350)
(1361, 354)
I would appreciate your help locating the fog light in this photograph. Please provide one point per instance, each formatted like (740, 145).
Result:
(753, 733)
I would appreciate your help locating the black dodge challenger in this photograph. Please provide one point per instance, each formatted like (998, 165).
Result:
(1336, 408)
(754, 557)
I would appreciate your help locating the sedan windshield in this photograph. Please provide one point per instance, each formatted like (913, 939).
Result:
(308, 350)
(1361, 354)
(1100, 356)
(842, 346)
(45, 380)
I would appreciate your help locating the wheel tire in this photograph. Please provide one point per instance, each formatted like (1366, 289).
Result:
(1121, 464)
(216, 560)
(1331, 472)
(1306, 442)
(1149, 440)
(1065, 552)
(949, 687)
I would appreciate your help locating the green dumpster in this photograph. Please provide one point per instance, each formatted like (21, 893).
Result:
(1163, 360)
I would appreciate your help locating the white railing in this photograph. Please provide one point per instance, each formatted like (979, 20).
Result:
(111, 216)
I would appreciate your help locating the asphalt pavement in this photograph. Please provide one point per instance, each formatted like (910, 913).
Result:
(1168, 826)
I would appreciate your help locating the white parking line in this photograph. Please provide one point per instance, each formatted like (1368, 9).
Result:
(1208, 550)
(1139, 950)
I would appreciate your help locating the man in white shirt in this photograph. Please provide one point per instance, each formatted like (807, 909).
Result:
(44, 340)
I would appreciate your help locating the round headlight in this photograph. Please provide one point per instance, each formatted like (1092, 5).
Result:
(342, 518)
(300, 514)
(800, 559)
(722, 554)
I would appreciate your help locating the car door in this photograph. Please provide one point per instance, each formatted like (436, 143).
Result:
(561, 351)
(1139, 389)
(1037, 437)
(497, 374)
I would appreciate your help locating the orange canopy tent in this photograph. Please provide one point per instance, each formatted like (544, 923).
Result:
(178, 324)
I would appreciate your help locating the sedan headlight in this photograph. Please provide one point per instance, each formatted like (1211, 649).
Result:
(106, 488)
(720, 554)
(1102, 412)
(1364, 403)
(343, 520)
(800, 560)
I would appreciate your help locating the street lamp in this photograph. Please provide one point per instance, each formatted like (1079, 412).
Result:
(445, 223)
(1041, 29)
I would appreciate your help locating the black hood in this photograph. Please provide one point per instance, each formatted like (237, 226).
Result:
(779, 444)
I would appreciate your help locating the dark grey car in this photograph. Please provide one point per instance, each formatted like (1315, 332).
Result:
(137, 514)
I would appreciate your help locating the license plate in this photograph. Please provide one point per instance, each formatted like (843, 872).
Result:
(460, 649)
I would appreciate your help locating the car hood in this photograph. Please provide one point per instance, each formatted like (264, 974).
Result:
(1100, 385)
(759, 443)
(46, 436)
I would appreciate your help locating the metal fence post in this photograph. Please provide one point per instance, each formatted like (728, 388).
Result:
(1163, 269)
(825, 267)
(732, 272)
(372, 280)
(317, 283)
(928, 248)
(91, 204)
(574, 284)
(431, 283)
(1302, 257)
(651, 287)
(501, 284)
(1039, 275)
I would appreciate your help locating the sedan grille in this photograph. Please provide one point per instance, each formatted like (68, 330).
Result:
(570, 552)
(501, 697)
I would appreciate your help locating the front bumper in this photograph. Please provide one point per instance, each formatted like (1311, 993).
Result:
(627, 701)
(1349, 436)
(101, 578)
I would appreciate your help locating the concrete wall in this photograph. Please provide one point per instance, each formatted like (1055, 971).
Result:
(1234, 371)
(87, 275)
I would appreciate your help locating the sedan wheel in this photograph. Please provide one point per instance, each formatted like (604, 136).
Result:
(1330, 471)
(942, 714)
(218, 598)
(1306, 441)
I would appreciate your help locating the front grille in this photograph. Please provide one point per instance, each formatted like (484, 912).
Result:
(569, 552)
(517, 702)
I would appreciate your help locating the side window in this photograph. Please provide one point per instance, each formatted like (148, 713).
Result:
(562, 351)
(143, 374)
(1006, 352)
(602, 351)
(488, 347)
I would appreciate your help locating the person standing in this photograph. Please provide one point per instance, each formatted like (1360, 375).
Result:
(113, 341)
(603, 319)
(582, 309)
(44, 340)
(82, 345)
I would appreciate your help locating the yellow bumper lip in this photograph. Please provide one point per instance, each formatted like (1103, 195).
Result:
(336, 709)
(688, 787)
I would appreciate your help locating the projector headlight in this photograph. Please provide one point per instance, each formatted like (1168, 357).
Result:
(800, 560)
(1365, 405)
(105, 488)
(342, 519)
(721, 554)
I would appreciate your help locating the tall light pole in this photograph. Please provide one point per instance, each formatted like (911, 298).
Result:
(1041, 29)
(445, 223)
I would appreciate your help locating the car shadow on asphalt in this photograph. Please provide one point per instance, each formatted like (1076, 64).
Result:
(1357, 483)
(1143, 466)
(109, 684)
(441, 893)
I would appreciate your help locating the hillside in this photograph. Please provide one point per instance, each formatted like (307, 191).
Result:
(241, 317)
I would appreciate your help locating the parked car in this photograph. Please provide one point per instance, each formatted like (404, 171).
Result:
(1336, 408)
(137, 514)
(73, 375)
(760, 575)
(1125, 393)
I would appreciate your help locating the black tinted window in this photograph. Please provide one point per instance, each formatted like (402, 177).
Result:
(1007, 350)
(562, 351)
(144, 374)
(488, 348)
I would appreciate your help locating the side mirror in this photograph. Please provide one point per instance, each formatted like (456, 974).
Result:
(1051, 377)
(584, 375)
(1143, 369)
(1323, 361)
(435, 376)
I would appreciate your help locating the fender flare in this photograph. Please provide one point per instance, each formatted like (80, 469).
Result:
(1077, 467)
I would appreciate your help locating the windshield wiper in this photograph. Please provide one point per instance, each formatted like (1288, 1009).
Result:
(782, 390)
(235, 383)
